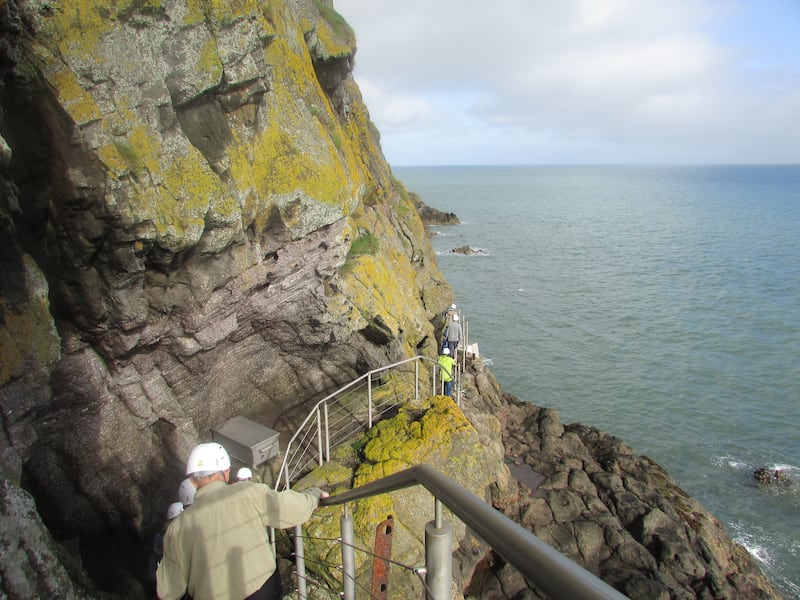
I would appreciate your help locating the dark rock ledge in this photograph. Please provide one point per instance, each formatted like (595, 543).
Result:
(432, 216)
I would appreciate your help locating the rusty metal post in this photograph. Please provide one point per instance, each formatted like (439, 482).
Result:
(380, 561)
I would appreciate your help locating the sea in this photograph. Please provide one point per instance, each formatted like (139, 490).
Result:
(660, 304)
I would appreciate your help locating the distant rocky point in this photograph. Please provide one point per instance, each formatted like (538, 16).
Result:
(432, 216)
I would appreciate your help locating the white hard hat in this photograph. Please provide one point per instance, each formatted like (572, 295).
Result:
(455, 317)
(244, 473)
(208, 457)
(446, 351)
(186, 492)
(453, 306)
(174, 510)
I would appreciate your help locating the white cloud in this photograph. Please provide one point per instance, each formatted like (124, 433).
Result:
(630, 80)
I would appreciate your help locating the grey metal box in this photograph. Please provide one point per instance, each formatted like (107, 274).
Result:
(247, 441)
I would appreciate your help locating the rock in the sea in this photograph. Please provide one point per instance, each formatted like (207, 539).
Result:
(769, 476)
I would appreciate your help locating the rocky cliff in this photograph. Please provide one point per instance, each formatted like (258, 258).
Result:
(197, 222)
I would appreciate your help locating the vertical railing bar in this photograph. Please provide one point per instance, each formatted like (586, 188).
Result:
(438, 556)
(319, 438)
(327, 435)
(300, 562)
(416, 381)
(369, 400)
(348, 555)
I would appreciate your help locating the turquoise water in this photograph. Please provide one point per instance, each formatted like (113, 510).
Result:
(659, 304)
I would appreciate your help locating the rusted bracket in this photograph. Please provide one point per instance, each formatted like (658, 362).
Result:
(380, 562)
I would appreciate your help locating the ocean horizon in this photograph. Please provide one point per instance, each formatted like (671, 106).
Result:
(659, 303)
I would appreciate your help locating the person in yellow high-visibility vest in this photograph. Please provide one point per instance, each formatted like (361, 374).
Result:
(446, 370)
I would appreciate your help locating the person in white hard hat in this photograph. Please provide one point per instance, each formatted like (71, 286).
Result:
(446, 370)
(219, 549)
(452, 335)
(186, 492)
(244, 474)
(448, 314)
(173, 510)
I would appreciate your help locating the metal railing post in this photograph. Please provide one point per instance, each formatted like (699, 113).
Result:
(416, 381)
(321, 457)
(369, 400)
(300, 562)
(438, 557)
(348, 556)
(327, 435)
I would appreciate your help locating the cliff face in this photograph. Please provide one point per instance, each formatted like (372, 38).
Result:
(197, 222)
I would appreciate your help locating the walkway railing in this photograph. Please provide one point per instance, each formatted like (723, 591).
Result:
(353, 409)
(548, 570)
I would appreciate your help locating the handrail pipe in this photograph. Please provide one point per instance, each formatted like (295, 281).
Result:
(550, 571)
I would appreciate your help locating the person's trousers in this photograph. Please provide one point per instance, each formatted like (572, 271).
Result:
(271, 590)
(448, 388)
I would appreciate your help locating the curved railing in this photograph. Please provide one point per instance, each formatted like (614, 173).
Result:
(355, 407)
(350, 410)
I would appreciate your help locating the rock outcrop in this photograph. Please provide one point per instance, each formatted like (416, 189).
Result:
(197, 222)
(433, 216)
(620, 515)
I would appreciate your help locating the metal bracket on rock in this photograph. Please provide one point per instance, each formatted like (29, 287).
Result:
(380, 563)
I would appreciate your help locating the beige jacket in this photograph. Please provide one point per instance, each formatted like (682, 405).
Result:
(218, 548)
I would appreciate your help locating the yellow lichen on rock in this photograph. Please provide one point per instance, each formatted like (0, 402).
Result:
(377, 283)
(294, 155)
(411, 438)
(176, 188)
(226, 12)
(437, 433)
(77, 26)
(209, 61)
(80, 105)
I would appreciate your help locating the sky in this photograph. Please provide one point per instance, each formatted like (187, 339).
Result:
(469, 82)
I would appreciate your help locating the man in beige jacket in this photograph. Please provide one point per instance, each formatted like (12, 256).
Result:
(219, 549)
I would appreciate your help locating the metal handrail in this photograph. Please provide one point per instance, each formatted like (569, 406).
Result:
(283, 477)
(320, 409)
(549, 570)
